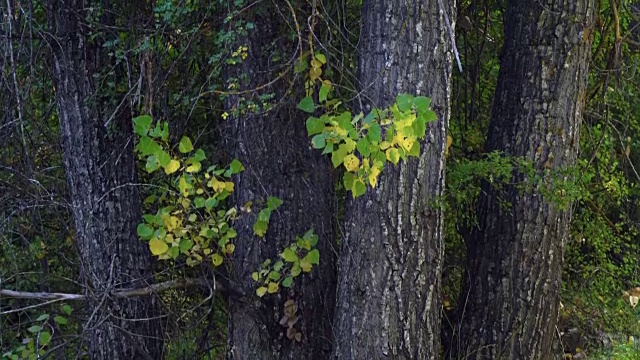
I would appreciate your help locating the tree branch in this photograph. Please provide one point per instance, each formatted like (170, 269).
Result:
(122, 293)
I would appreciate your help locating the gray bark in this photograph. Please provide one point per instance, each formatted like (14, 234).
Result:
(388, 303)
(509, 303)
(279, 161)
(101, 172)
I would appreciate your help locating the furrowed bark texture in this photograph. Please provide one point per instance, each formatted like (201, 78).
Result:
(509, 303)
(279, 161)
(101, 170)
(388, 303)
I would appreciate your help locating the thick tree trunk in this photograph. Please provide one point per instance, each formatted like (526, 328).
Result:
(279, 161)
(389, 283)
(509, 303)
(101, 171)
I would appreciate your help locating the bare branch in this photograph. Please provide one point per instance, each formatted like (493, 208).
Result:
(123, 293)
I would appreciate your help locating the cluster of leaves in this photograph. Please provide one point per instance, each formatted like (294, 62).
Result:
(262, 223)
(297, 258)
(194, 220)
(363, 144)
(35, 343)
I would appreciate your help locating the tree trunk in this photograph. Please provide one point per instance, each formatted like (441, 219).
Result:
(279, 161)
(509, 304)
(389, 283)
(101, 172)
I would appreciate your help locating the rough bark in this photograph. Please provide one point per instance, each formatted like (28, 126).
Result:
(279, 161)
(388, 303)
(101, 172)
(509, 303)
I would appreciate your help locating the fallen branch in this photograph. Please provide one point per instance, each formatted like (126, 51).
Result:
(122, 293)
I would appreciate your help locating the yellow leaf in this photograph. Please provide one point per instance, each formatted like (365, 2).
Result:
(261, 291)
(385, 145)
(449, 142)
(373, 176)
(407, 143)
(172, 222)
(273, 288)
(305, 265)
(230, 248)
(229, 186)
(255, 276)
(184, 186)
(172, 167)
(216, 259)
(195, 167)
(157, 247)
(349, 145)
(216, 185)
(393, 155)
(351, 163)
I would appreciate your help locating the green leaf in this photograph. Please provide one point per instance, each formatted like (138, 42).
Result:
(421, 103)
(300, 66)
(67, 309)
(278, 265)
(318, 141)
(44, 338)
(260, 228)
(173, 252)
(147, 146)
(415, 149)
(185, 245)
(211, 203)
(185, 145)
(419, 127)
(314, 125)
(428, 116)
(324, 92)
(273, 202)
(348, 180)
(358, 188)
(163, 157)
(34, 329)
(216, 259)
(274, 275)
(61, 320)
(363, 147)
(295, 269)
(307, 105)
(152, 164)
(371, 116)
(289, 255)
(255, 276)
(142, 124)
(374, 133)
(236, 166)
(287, 282)
(337, 157)
(404, 102)
(261, 291)
(145, 231)
(198, 156)
(313, 257)
(42, 317)
(320, 57)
